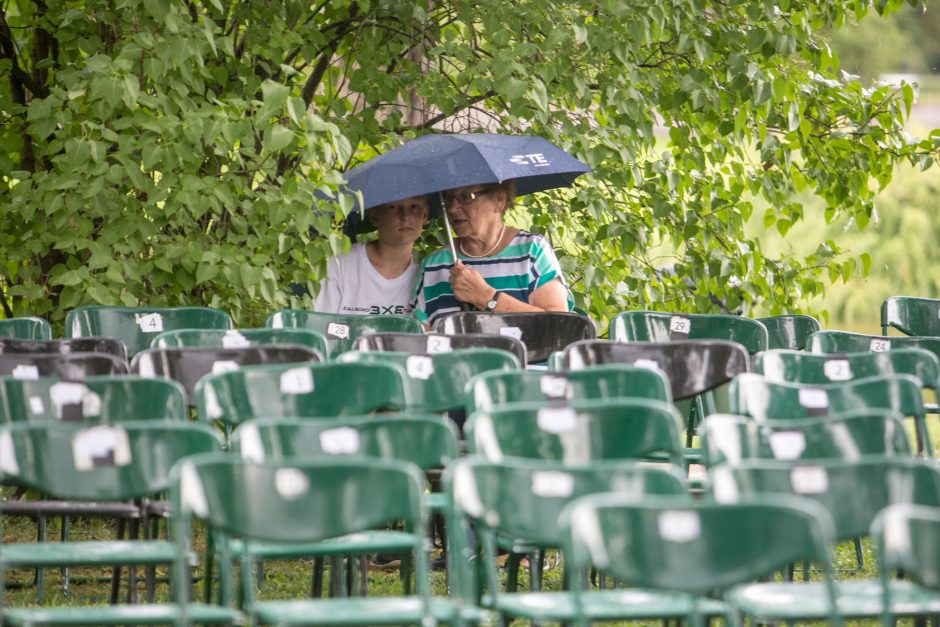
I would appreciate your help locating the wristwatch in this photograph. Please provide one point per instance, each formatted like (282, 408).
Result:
(491, 303)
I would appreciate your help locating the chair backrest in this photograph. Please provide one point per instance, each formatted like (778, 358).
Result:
(106, 345)
(853, 491)
(692, 366)
(301, 390)
(846, 342)
(438, 343)
(437, 381)
(136, 326)
(239, 338)
(694, 546)
(908, 541)
(188, 365)
(67, 366)
(790, 331)
(26, 328)
(426, 441)
(541, 332)
(654, 326)
(802, 367)
(491, 390)
(107, 399)
(103, 462)
(735, 439)
(911, 315)
(341, 330)
(580, 432)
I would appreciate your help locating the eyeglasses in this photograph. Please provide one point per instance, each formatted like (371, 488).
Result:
(410, 210)
(465, 198)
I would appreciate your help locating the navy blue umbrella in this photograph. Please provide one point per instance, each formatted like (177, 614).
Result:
(433, 163)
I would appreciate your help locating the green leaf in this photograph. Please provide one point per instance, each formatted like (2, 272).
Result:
(277, 138)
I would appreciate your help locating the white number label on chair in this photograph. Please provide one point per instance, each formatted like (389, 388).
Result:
(438, 344)
(66, 393)
(103, 445)
(234, 339)
(879, 345)
(648, 364)
(787, 444)
(554, 386)
(340, 441)
(341, 331)
(513, 332)
(837, 370)
(552, 484)
(26, 371)
(813, 398)
(809, 479)
(679, 526)
(557, 419)
(290, 483)
(679, 324)
(297, 381)
(419, 367)
(36, 405)
(149, 323)
(224, 365)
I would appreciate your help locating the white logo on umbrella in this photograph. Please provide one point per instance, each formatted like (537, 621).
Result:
(536, 159)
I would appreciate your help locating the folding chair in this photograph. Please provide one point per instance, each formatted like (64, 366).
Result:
(67, 366)
(438, 343)
(678, 553)
(846, 342)
(541, 332)
(106, 345)
(789, 331)
(907, 538)
(802, 367)
(911, 315)
(239, 338)
(27, 328)
(304, 501)
(341, 330)
(654, 326)
(136, 326)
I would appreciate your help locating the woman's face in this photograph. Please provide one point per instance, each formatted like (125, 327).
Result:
(401, 221)
(474, 209)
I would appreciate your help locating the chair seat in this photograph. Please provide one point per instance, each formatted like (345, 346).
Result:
(791, 601)
(140, 552)
(384, 541)
(122, 615)
(626, 604)
(351, 611)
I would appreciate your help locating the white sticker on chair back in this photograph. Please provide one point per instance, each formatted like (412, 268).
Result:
(879, 345)
(513, 332)
(554, 386)
(297, 381)
(419, 367)
(8, 464)
(809, 479)
(224, 365)
(340, 441)
(290, 483)
(25, 371)
(680, 324)
(552, 484)
(837, 370)
(438, 344)
(557, 419)
(813, 398)
(679, 526)
(233, 339)
(102, 445)
(149, 323)
(787, 444)
(647, 364)
(65, 394)
(337, 330)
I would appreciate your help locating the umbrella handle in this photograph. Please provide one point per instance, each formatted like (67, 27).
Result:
(450, 240)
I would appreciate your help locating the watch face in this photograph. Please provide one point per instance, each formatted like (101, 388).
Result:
(491, 305)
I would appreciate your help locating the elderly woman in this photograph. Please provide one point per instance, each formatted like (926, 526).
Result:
(377, 277)
(499, 268)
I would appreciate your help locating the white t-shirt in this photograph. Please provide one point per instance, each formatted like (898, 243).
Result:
(353, 286)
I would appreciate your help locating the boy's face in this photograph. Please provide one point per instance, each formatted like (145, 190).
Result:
(400, 221)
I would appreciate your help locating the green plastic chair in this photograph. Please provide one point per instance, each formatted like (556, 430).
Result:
(491, 390)
(911, 315)
(137, 326)
(301, 501)
(578, 433)
(654, 326)
(802, 367)
(752, 395)
(729, 439)
(790, 331)
(99, 471)
(304, 390)
(846, 342)
(517, 503)
(239, 338)
(675, 554)
(108, 399)
(437, 381)
(105, 345)
(341, 330)
(26, 328)
(908, 541)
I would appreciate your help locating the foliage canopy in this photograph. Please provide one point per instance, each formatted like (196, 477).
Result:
(168, 153)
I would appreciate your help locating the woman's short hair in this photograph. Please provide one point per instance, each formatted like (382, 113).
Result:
(509, 188)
